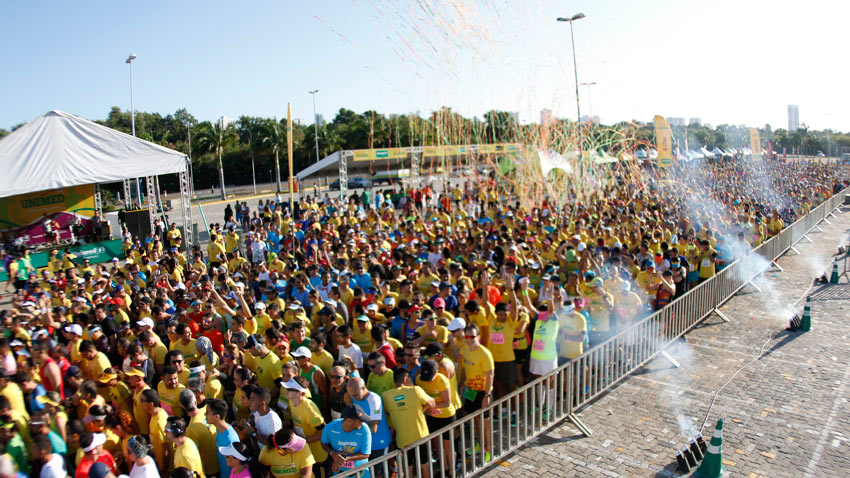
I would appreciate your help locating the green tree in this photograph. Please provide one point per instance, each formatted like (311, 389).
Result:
(272, 136)
(211, 139)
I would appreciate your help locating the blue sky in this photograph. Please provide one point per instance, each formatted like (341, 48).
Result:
(723, 61)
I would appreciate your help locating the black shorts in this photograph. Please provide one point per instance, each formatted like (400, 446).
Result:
(505, 373)
(522, 355)
(423, 455)
(472, 406)
(436, 423)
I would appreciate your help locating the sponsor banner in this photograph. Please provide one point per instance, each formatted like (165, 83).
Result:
(434, 151)
(24, 209)
(755, 144)
(25, 215)
(376, 154)
(663, 142)
(96, 253)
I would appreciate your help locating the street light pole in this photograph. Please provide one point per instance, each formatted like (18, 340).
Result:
(315, 123)
(589, 102)
(129, 61)
(577, 16)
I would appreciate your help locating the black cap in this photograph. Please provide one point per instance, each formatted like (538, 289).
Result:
(428, 370)
(354, 411)
(432, 349)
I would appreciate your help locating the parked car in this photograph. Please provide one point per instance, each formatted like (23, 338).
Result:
(353, 183)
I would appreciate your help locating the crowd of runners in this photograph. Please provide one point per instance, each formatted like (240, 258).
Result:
(305, 342)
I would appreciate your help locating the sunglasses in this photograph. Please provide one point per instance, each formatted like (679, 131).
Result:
(468, 337)
(176, 361)
(334, 377)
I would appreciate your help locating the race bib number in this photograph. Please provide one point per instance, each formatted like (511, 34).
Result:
(539, 345)
(348, 464)
(497, 338)
(706, 262)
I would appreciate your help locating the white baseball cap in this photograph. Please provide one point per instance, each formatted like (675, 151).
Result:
(457, 324)
(301, 352)
(293, 385)
(146, 322)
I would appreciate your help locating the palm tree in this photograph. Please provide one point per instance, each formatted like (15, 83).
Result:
(272, 135)
(213, 138)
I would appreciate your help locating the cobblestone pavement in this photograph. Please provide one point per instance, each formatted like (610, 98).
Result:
(786, 415)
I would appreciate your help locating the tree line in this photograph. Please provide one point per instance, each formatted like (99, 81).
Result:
(253, 145)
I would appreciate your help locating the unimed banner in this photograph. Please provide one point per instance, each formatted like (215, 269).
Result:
(24, 215)
(663, 142)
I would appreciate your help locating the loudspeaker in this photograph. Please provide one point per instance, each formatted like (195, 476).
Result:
(138, 222)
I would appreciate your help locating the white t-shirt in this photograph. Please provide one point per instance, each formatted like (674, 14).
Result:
(145, 471)
(55, 468)
(352, 352)
(267, 424)
(258, 249)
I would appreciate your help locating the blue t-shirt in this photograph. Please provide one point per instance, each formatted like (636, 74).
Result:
(373, 407)
(58, 444)
(224, 440)
(355, 442)
(34, 404)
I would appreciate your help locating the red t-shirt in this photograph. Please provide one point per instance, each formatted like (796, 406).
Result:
(83, 468)
(217, 340)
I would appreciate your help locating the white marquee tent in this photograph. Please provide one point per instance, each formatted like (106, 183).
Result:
(58, 150)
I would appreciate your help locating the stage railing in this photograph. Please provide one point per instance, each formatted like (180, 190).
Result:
(477, 440)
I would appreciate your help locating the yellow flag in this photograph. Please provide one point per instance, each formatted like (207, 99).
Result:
(755, 143)
(663, 142)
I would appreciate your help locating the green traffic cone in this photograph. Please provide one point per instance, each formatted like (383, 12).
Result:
(806, 320)
(833, 279)
(712, 465)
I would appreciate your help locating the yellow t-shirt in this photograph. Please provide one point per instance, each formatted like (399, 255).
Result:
(502, 340)
(268, 369)
(142, 419)
(363, 338)
(169, 399)
(324, 360)
(187, 456)
(157, 353)
(570, 347)
(288, 465)
(434, 388)
(204, 437)
(442, 334)
(307, 418)
(380, 383)
(476, 364)
(93, 369)
(157, 436)
(189, 351)
(404, 407)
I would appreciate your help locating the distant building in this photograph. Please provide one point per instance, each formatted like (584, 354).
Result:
(696, 121)
(793, 117)
(227, 122)
(590, 119)
(320, 119)
(545, 116)
(514, 115)
(676, 121)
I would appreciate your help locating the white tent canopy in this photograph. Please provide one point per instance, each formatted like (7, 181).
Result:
(58, 150)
